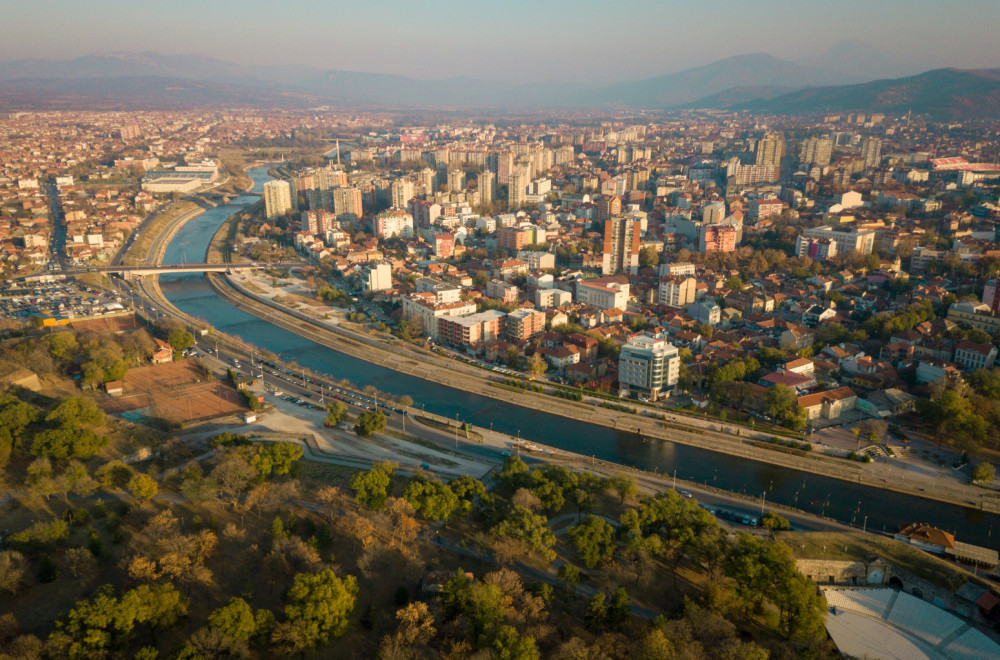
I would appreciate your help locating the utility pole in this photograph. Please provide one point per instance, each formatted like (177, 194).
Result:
(763, 498)
(675, 479)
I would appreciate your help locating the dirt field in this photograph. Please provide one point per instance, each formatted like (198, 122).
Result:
(159, 376)
(195, 403)
(176, 391)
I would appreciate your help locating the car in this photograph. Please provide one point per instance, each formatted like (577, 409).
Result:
(505, 453)
(425, 466)
(686, 494)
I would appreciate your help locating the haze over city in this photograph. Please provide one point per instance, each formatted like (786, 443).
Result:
(514, 41)
(510, 331)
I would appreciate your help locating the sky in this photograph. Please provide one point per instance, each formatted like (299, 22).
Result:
(512, 40)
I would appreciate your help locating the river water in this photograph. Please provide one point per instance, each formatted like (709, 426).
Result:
(843, 501)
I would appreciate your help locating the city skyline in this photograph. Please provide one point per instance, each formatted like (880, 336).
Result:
(517, 42)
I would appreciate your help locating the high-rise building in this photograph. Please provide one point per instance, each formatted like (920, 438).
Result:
(317, 221)
(486, 187)
(428, 177)
(517, 189)
(327, 178)
(347, 201)
(609, 206)
(847, 240)
(871, 151)
(277, 198)
(456, 180)
(648, 363)
(400, 193)
(621, 246)
(501, 164)
(816, 151)
(770, 149)
(512, 238)
(376, 277)
(713, 213)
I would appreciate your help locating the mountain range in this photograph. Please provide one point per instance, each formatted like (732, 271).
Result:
(753, 82)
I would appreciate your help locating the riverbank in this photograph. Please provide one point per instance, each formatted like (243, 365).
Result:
(456, 376)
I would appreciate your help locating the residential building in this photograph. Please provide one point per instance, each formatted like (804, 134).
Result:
(486, 187)
(621, 246)
(523, 324)
(972, 356)
(517, 189)
(513, 238)
(816, 151)
(769, 150)
(648, 364)
(677, 290)
(848, 239)
(502, 291)
(871, 152)
(976, 315)
(444, 246)
(422, 308)
(393, 223)
(545, 298)
(676, 268)
(277, 198)
(400, 193)
(470, 329)
(376, 277)
(817, 249)
(603, 293)
(609, 206)
(706, 312)
(717, 238)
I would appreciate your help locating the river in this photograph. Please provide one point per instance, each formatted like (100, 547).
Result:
(843, 501)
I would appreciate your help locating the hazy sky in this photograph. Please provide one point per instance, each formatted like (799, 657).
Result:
(528, 40)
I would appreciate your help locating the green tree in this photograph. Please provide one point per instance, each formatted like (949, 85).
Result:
(528, 528)
(75, 412)
(143, 486)
(983, 473)
(596, 614)
(774, 522)
(781, 403)
(594, 540)
(180, 339)
(624, 485)
(371, 488)
(336, 411)
(648, 256)
(369, 422)
(569, 575)
(509, 644)
(431, 498)
(320, 606)
(274, 458)
(512, 357)
(238, 622)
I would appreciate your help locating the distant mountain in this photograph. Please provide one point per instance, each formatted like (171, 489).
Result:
(757, 70)
(850, 56)
(141, 92)
(148, 64)
(752, 82)
(943, 93)
(739, 95)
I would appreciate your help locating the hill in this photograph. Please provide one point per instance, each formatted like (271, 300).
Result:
(942, 93)
(757, 70)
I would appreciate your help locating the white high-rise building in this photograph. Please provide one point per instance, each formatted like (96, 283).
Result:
(376, 277)
(871, 151)
(401, 192)
(486, 180)
(517, 189)
(277, 198)
(649, 364)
